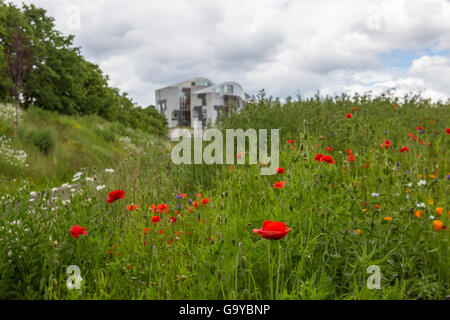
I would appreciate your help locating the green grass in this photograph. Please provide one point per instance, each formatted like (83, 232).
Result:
(73, 143)
(211, 251)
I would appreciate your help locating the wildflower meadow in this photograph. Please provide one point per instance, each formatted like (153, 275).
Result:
(363, 184)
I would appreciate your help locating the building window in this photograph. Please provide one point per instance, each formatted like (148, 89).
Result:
(201, 83)
(162, 105)
(203, 98)
(205, 113)
(196, 114)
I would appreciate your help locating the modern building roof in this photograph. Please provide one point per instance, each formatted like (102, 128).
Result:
(220, 89)
(188, 81)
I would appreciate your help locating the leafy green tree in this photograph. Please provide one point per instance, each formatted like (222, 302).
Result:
(61, 79)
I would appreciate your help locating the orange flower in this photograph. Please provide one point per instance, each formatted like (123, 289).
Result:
(132, 207)
(418, 213)
(438, 225)
(388, 218)
(439, 211)
(358, 232)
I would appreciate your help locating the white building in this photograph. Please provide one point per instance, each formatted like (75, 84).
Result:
(198, 100)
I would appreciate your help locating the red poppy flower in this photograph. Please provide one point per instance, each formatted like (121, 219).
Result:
(205, 201)
(349, 152)
(404, 149)
(328, 159)
(198, 195)
(183, 195)
(155, 219)
(273, 230)
(279, 185)
(329, 149)
(290, 142)
(386, 144)
(447, 130)
(76, 231)
(419, 128)
(349, 116)
(195, 203)
(318, 157)
(163, 208)
(115, 195)
(280, 170)
(172, 219)
(132, 207)
(351, 158)
(355, 109)
(146, 230)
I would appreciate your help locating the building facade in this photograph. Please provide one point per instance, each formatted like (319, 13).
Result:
(198, 102)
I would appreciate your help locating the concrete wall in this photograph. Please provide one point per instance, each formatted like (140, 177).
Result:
(171, 95)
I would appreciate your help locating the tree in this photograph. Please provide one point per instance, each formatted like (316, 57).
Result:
(19, 62)
(4, 81)
(49, 72)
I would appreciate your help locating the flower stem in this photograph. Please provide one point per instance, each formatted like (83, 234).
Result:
(270, 270)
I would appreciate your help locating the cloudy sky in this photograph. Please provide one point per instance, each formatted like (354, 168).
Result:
(286, 47)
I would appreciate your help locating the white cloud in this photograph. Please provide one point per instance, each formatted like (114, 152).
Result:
(282, 46)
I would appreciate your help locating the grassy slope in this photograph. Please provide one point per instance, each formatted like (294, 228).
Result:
(211, 252)
(81, 142)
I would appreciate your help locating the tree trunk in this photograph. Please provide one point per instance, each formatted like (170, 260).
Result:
(16, 122)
